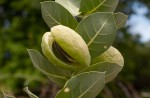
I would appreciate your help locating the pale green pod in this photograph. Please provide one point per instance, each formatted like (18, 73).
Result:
(75, 48)
(111, 55)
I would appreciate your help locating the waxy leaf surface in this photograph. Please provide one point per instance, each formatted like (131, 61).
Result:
(90, 6)
(84, 85)
(55, 14)
(99, 31)
(43, 65)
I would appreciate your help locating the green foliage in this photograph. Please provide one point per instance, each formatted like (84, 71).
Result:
(42, 64)
(100, 29)
(84, 85)
(88, 6)
(22, 26)
(71, 5)
(58, 16)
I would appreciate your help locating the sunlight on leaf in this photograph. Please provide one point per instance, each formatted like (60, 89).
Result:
(71, 5)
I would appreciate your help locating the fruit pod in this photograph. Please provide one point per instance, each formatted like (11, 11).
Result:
(65, 48)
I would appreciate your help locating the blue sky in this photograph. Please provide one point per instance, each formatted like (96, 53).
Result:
(139, 23)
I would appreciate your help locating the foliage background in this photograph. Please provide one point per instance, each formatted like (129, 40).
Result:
(21, 27)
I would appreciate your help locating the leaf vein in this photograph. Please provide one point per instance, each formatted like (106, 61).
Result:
(51, 16)
(97, 33)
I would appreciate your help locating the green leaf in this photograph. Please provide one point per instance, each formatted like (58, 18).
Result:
(84, 85)
(120, 19)
(112, 69)
(110, 61)
(42, 64)
(7, 96)
(99, 31)
(31, 95)
(55, 14)
(90, 6)
(71, 5)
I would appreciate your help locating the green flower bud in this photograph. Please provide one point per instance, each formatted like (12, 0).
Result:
(65, 48)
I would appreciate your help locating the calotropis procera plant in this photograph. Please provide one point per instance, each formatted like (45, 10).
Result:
(78, 52)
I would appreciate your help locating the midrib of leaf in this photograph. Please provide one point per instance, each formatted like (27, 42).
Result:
(96, 7)
(51, 16)
(89, 43)
(89, 87)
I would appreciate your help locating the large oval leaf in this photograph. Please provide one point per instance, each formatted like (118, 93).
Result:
(90, 6)
(55, 74)
(71, 5)
(84, 85)
(55, 14)
(110, 61)
(99, 32)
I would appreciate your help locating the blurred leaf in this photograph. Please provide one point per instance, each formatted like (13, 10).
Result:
(120, 19)
(99, 31)
(55, 14)
(31, 95)
(7, 96)
(42, 64)
(71, 5)
(90, 6)
(84, 85)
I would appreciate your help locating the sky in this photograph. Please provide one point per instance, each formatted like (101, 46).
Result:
(139, 23)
